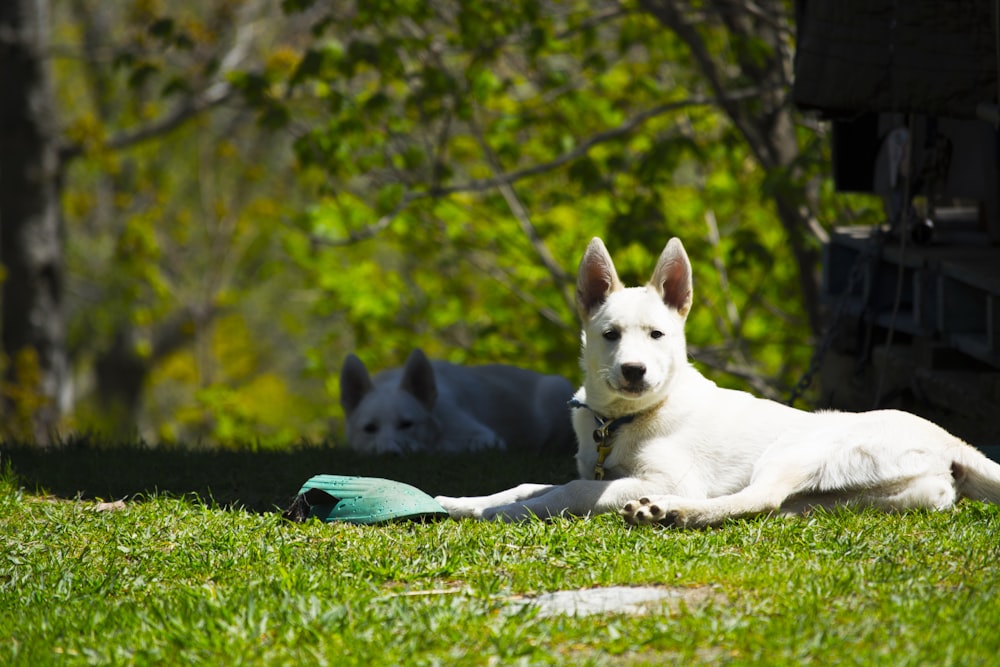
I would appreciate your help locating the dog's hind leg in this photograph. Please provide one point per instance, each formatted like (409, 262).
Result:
(932, 492)
(911, 481)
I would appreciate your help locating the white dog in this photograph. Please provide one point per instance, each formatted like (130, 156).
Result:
(434, 406)
(674, 448)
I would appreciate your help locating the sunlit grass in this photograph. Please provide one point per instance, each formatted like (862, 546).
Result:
(178, 580)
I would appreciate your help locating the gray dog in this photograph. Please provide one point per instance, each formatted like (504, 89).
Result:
(435, 406)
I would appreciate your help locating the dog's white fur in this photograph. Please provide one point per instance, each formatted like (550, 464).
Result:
(435, 406)
(696, 454)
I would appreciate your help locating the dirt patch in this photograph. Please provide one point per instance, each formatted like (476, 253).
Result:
(633, 600)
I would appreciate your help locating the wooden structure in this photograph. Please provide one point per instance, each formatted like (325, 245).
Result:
(913, 93)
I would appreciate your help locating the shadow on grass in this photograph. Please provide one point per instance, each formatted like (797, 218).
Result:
(260, 481)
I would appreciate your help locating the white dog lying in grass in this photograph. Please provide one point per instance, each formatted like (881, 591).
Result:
(435, 406)
(674, 448)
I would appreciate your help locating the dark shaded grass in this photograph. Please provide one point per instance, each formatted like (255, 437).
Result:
(260, 481)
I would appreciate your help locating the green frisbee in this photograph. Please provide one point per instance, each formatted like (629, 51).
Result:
(362, 500)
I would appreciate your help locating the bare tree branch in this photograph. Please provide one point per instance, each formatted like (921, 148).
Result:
(735, 322)
(669, 15)
(768, 131)
(502, 277)
(520, 212)
(720, 359)
(192, 106)
(372, 230)
(509, 178)
(581, 149)
(182, 113)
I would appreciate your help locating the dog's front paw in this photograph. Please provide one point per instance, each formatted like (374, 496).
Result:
(486, 441)
(459, 508)
(657, 510)
(476, 441)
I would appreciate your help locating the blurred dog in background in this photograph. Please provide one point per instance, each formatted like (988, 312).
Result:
(436, 406)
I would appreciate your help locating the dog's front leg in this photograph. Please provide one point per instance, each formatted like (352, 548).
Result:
(473, 507)
(769, 487)
(700, 512)
(581, 497)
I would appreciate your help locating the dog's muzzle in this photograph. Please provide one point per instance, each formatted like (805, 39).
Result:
(633, 378)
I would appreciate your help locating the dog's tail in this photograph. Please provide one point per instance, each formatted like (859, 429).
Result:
(976, 476)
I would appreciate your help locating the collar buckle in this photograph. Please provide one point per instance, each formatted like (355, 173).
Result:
(602, 435)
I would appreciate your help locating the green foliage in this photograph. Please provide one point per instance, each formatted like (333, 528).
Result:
(596, 126)
(236, 403)
(385, 175)
(23, 395)
(167, 234)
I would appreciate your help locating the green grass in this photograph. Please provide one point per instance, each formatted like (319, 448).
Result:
(183, 575)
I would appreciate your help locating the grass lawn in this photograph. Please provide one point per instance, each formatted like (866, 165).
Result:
(198, 568)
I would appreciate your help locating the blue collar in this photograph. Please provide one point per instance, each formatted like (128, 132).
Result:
(602, 434)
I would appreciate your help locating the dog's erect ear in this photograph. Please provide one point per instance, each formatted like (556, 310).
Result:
(418, 378)
(596, 279)
(354, 383)
(672, 277)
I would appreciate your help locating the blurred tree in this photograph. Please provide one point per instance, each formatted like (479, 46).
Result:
(35, 382)
(749, 43)
(447, 164)
(163, 223)
(483, 141)
(174, 207)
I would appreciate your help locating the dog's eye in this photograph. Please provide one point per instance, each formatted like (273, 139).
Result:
(612, 334)
(655, 334)
(370, 427)
(404, 424)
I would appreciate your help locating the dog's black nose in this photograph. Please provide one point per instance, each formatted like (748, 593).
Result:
(633, 372)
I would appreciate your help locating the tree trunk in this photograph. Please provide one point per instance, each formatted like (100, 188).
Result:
(757, 40)
(121, 372)
(31, 235)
